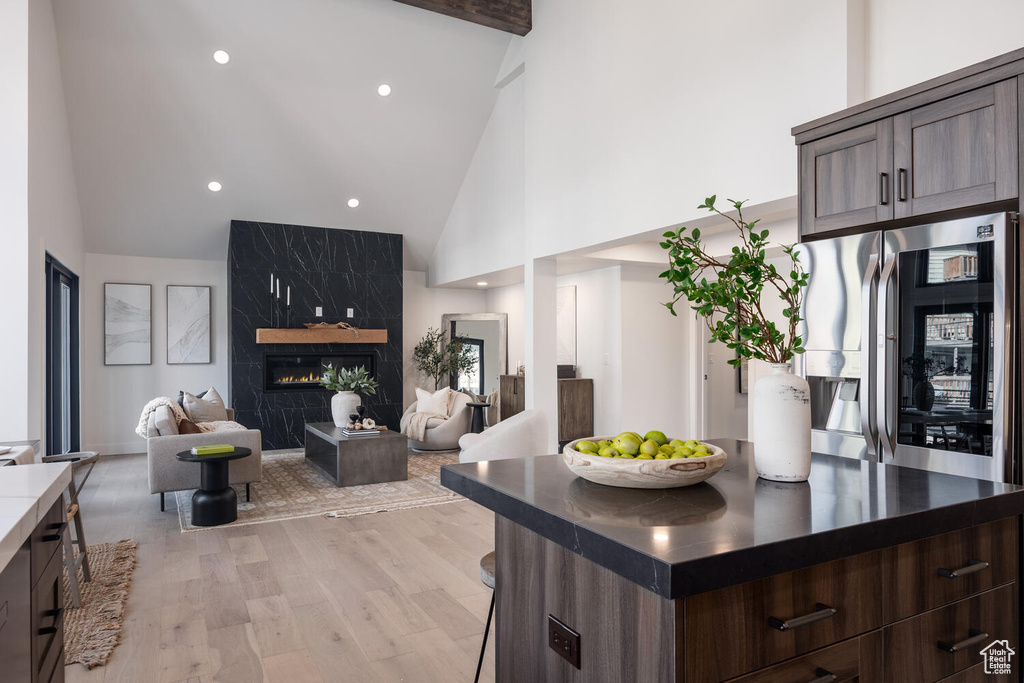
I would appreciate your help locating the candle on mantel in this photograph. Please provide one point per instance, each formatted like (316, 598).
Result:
(278, 288)
(288, 299)
(271, 283)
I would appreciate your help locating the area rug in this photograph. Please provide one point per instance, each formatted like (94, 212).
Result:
(92, 631)
(290, 489)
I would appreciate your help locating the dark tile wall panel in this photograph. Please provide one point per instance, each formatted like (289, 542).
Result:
(335, 269)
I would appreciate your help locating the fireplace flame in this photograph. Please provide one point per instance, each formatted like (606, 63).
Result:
(308, 378)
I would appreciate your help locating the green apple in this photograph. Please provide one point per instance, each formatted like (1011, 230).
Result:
(608, 452)
(649, 448)
(676, 443)
(657, 437)
(627, 444)
(587, 447)
(603, 444)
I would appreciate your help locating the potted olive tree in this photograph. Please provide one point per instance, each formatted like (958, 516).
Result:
(442, 358)
(728, 294)
(346, 382)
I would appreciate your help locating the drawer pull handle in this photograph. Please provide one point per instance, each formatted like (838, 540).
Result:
(883, 189)
(57, 615)
(902, 185)
(820, 612)
(976, 637)
(972, 567)
(823, 676)
(58, 530)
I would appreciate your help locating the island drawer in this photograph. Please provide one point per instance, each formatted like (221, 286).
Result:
(779, 617)
(856, 659)
(46, 538)
(935, 571)
(949, 639)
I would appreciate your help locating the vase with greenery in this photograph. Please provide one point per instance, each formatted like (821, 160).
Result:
(441, 358)
(345, 382)
(729, 293)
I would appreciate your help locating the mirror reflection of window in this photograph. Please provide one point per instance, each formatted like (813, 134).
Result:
(473, 379)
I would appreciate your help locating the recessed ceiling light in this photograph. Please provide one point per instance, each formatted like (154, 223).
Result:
(214, 186)
(353, 203)
(481, 284)
(384, 90)
(221, 57)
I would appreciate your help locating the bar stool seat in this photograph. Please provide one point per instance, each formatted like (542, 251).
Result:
(487, 578)
(79, 461)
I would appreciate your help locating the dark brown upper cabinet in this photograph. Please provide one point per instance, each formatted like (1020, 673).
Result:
(846, 179)
(958, 152)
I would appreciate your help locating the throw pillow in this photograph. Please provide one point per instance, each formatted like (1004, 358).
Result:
(434, 403)
(187, 426)
(181, 398)
(210, 408)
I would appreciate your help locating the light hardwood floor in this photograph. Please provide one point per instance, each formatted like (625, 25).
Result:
(394, 596)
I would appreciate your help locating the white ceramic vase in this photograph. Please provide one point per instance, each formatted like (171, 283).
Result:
(343, 404)
(782, 426)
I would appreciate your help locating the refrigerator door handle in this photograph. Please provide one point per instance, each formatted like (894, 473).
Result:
(885, 388)
(867, 346)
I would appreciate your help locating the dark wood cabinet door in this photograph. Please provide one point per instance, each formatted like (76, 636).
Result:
(511, 395)
(957, 152)
(846, 179)
(575, 409)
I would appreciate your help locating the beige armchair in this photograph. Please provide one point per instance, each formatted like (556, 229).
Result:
(167, 473)
(445, 434)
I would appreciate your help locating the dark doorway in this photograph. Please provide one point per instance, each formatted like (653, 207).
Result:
(473, 379)
(63, 428)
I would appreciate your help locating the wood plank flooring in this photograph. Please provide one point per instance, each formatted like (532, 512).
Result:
(394, 596)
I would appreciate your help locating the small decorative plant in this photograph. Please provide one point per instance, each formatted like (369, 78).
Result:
(348, 379)
(729, 300)
(439, 358)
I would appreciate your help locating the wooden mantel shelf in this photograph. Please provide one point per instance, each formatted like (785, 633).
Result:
(323, 335)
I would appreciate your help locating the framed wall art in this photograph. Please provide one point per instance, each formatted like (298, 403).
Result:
(127, 324)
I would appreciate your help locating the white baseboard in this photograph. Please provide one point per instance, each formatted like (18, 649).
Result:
(129, 448)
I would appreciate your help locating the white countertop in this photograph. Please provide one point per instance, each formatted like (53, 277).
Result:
(26, 494)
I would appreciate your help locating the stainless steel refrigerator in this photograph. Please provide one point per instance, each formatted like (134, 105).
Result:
(912, 346)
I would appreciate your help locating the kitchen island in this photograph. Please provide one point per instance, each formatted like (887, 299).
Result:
(865, 570)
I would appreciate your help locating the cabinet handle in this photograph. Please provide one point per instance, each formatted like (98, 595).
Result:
(973, 566)
(902, 191)
(975, 637)
(823, 676)
(57, 615)
(58, 530)
(820, 613)
(883, 189)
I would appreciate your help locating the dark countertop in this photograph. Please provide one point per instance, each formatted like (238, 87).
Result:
(734, 527)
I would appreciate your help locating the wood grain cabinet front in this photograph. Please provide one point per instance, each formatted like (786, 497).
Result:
(782, 616)
(856, 659)
(947, 640)
(945, 568)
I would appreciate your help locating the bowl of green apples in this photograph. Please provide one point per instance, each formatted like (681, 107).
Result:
(651, 461)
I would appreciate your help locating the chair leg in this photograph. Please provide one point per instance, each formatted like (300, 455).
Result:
(247, 498)
(82, 548)
(69, 565)
(483, 648)
(161, 502)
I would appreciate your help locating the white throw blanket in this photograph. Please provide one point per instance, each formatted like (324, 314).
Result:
(142, 429)
(415, 425)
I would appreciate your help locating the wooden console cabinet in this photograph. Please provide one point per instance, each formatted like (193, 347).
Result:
(575, 404)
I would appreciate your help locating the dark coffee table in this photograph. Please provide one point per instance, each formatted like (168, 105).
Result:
(357, 460)
(215, 502)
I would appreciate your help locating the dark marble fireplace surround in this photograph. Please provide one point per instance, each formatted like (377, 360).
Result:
(335, 269)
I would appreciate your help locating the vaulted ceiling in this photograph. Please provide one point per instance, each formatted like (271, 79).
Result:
(292, 126)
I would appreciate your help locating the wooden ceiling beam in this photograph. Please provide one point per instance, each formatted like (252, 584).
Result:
(512, 16)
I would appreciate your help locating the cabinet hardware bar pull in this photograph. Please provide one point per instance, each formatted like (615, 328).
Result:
(820, 612)
(58, 529)
(901, 194)
(823, 676)
(976, 638)
(57, 615)
(973, 566)
(883, 189)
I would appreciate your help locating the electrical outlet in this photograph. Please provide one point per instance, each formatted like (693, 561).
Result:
(564, 641)
(319, 311)
(351, 313)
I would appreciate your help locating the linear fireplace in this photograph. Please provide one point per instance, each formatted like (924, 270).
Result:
(301, 371)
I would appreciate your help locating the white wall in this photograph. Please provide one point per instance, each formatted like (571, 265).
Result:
(909, 41)
(55, 222)
(14, 230)
(511, 300)
(423, 307)
(113, 396)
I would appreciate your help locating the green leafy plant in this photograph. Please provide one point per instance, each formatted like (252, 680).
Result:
(730, 302)
(348, 379)
(439, 358)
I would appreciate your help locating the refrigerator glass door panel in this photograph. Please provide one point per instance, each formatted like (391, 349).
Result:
(943, 346)
(838, 334)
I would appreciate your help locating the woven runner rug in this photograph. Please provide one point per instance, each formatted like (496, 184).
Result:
(92, 631)
(290, 489)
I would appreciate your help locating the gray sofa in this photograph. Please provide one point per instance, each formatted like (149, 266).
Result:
(167, 473)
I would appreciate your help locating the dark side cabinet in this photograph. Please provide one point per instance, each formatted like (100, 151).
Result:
(16, 618)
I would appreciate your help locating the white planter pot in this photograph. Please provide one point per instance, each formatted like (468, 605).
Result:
(782, 426)
(343, 404)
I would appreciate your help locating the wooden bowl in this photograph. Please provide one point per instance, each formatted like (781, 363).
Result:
(642, 474)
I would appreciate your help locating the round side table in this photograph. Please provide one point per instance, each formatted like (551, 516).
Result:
(478, 416)
(215, 502)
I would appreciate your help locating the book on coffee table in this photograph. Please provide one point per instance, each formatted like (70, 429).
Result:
(361, 432)
(215, 449)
